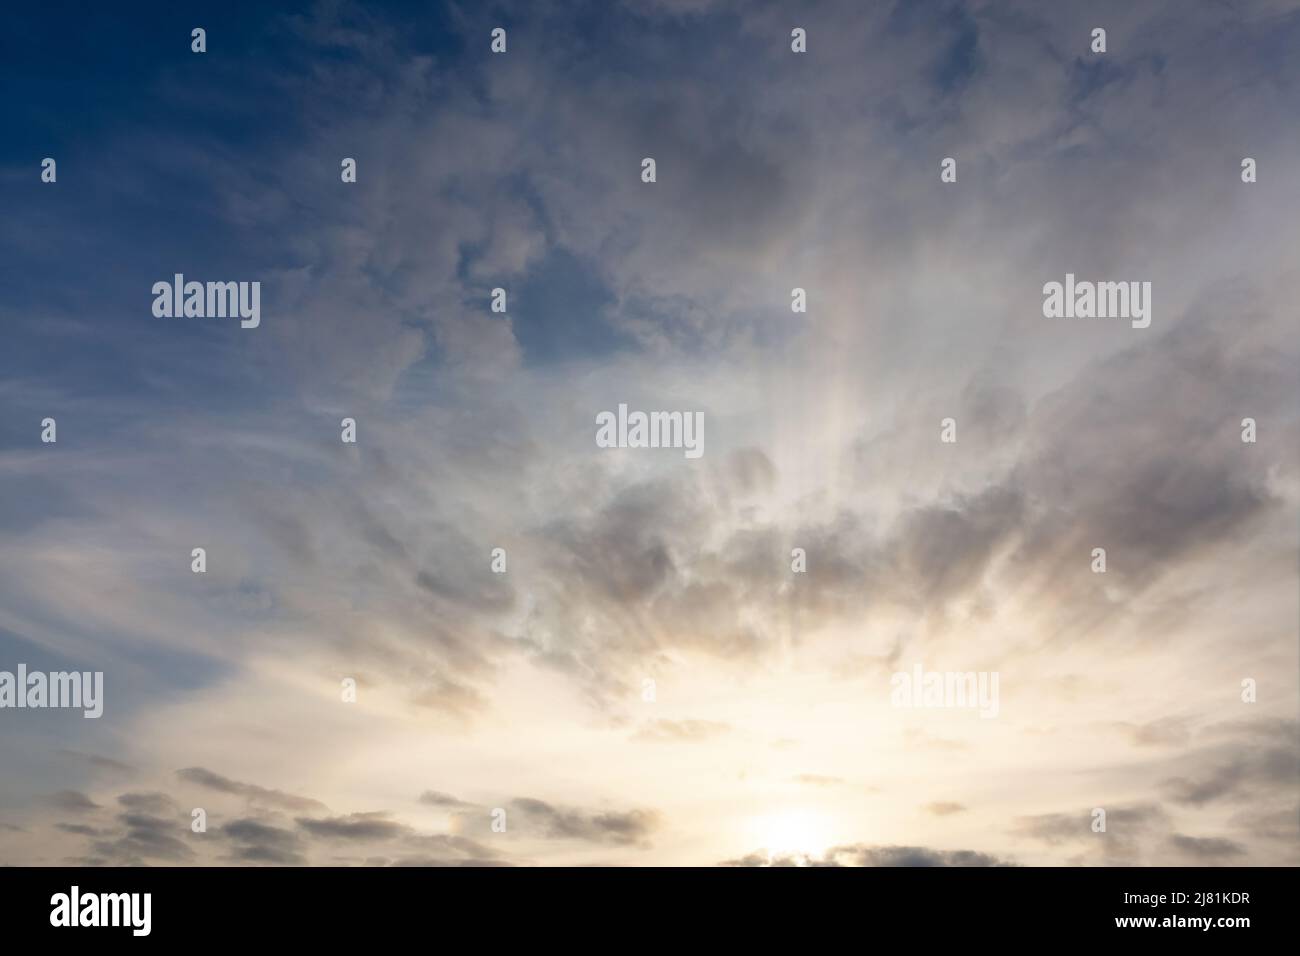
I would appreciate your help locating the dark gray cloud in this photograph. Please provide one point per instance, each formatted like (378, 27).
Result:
(627, 828)
(256, 842)
(1266, 768)
(154, 828)
(914, 856)
(440, 849)
(1088, 477)
(154, 802)
(253, 793)
(621, 554)
(142, 838)
(875, 856)
(437, 798)
(1280, 825)
(80, 829)
(1104, 479)
(355, 826)
(71, 800)
(1207, 849)
(431, 861)
(1135, 834)
(1247, 764)
(1123, 822)
(444, 576)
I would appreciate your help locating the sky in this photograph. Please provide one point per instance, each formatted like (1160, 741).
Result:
(652, 679)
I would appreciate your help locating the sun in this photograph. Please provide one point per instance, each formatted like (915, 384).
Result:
(790, 832)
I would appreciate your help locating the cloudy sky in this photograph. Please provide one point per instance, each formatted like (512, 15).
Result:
(650, 682)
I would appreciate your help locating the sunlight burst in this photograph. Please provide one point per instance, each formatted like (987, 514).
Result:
(793, 831)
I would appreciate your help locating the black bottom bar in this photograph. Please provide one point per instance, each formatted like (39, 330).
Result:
(669, 907)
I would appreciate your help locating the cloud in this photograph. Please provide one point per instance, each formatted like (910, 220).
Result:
(1059, 827)
(446, 862)
(627, 828)
(370, 560)
(256, 842)
(447, 850)
(874, 856)
(1132, 830)
(72, 800)
(153, 827)
(80, 829)
(100, 762)
(154, 802)
(140, 838)
(355, 826)
(1206, 849)
(1268, 766)
(438, 799)
(251, 792)
(1280, 825)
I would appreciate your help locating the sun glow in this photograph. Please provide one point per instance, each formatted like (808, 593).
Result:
(794, 831)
